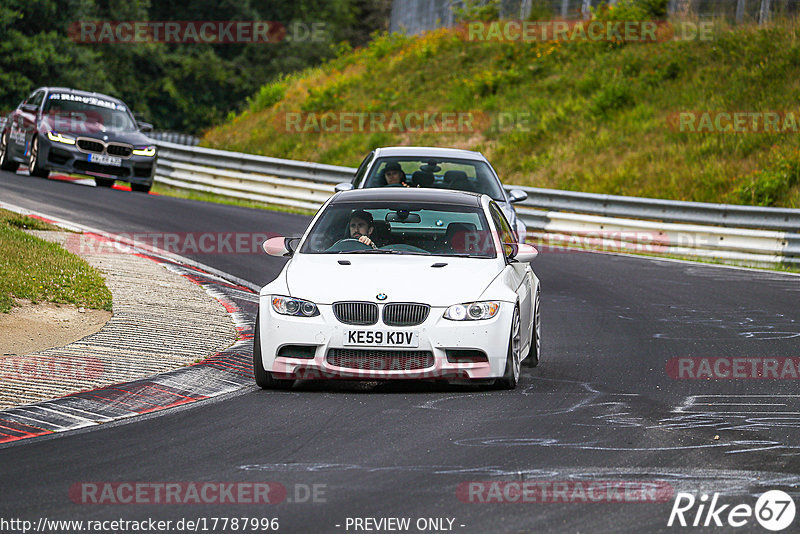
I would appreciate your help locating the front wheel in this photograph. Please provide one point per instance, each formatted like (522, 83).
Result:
(103, 182)
(6, 163)
(34, 161)
(511, 376)
(264, 378)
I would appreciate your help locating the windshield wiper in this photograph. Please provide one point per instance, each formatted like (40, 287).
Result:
(372, 251)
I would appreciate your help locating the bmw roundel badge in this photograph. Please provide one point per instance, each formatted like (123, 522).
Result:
(381, 296)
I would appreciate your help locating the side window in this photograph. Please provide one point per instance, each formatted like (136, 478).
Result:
(38, 98)
(362, 170)
(30, 99)
(500, 222)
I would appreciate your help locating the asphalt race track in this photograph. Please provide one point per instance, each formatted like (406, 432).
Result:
(600, 407)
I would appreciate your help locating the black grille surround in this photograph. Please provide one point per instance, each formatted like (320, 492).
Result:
(405, 313)
(356, 313)
(96, 146)
(380, 360)
(90, 145)
(116, 149)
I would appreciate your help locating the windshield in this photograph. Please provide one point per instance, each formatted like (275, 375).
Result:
(83, 114)
(441, 173)
(401, 228)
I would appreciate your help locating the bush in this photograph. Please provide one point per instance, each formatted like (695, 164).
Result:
(615, 95)
(766, 186)
(268, 96)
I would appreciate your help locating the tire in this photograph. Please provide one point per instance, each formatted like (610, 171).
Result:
(34, 165)
(536, 336)
(511, 375)
(141, 188)
(264, 378)
(5, 162)
(103, 182)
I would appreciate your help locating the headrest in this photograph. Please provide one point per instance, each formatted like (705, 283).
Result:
(422, 179)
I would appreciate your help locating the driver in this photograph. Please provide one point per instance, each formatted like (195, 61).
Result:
(393, 173)
(361, 226)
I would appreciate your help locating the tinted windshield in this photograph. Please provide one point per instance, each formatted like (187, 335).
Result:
(77, 113)
(459, 174)
(402, 228)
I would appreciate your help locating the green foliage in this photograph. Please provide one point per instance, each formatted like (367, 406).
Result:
(541, 10)
(767, 186)
(612, 97)
(268, 95)
(186, 87)
(474, 10)
(631, 10)
(585, 116)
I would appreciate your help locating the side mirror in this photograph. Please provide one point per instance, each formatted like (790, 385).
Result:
(30, 108)
(145, 127)
(346, 186)
(517, 195)
(280, 246)
(522, 252)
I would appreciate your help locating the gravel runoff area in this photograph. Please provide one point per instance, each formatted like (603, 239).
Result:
(161, 321)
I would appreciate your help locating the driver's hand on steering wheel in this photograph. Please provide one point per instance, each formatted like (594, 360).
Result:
(367, 241)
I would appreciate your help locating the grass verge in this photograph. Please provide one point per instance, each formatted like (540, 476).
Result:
(36, 270)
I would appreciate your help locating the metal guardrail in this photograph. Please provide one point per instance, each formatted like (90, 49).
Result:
(555, 218)
(174, 137)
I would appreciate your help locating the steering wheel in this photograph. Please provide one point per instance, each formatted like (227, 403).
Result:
(394, 185)
(348, 244)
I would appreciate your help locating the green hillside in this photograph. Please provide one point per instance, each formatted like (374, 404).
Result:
(594, 116)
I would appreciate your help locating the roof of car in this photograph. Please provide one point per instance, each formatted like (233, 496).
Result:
(427, 151)
(409, 194)
(80, 92)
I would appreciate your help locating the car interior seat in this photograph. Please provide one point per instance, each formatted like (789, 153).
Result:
(382, 233)
(459, 236)
(459, 181)
(422, 179)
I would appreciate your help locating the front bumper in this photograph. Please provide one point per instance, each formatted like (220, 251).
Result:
(66, 158)
(324, 333)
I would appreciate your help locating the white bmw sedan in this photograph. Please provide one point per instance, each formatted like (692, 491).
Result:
(399, 283)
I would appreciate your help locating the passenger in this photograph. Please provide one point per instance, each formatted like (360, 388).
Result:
(361, 227)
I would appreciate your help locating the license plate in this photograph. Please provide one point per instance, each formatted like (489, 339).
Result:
(381, 338)
(105, 160)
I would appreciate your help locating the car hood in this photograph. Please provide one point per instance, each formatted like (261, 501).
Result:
(322, 279)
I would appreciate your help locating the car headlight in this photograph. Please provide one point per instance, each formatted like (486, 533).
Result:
(473, 311)
(61, 138)
(148, 151)
(296, 307)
